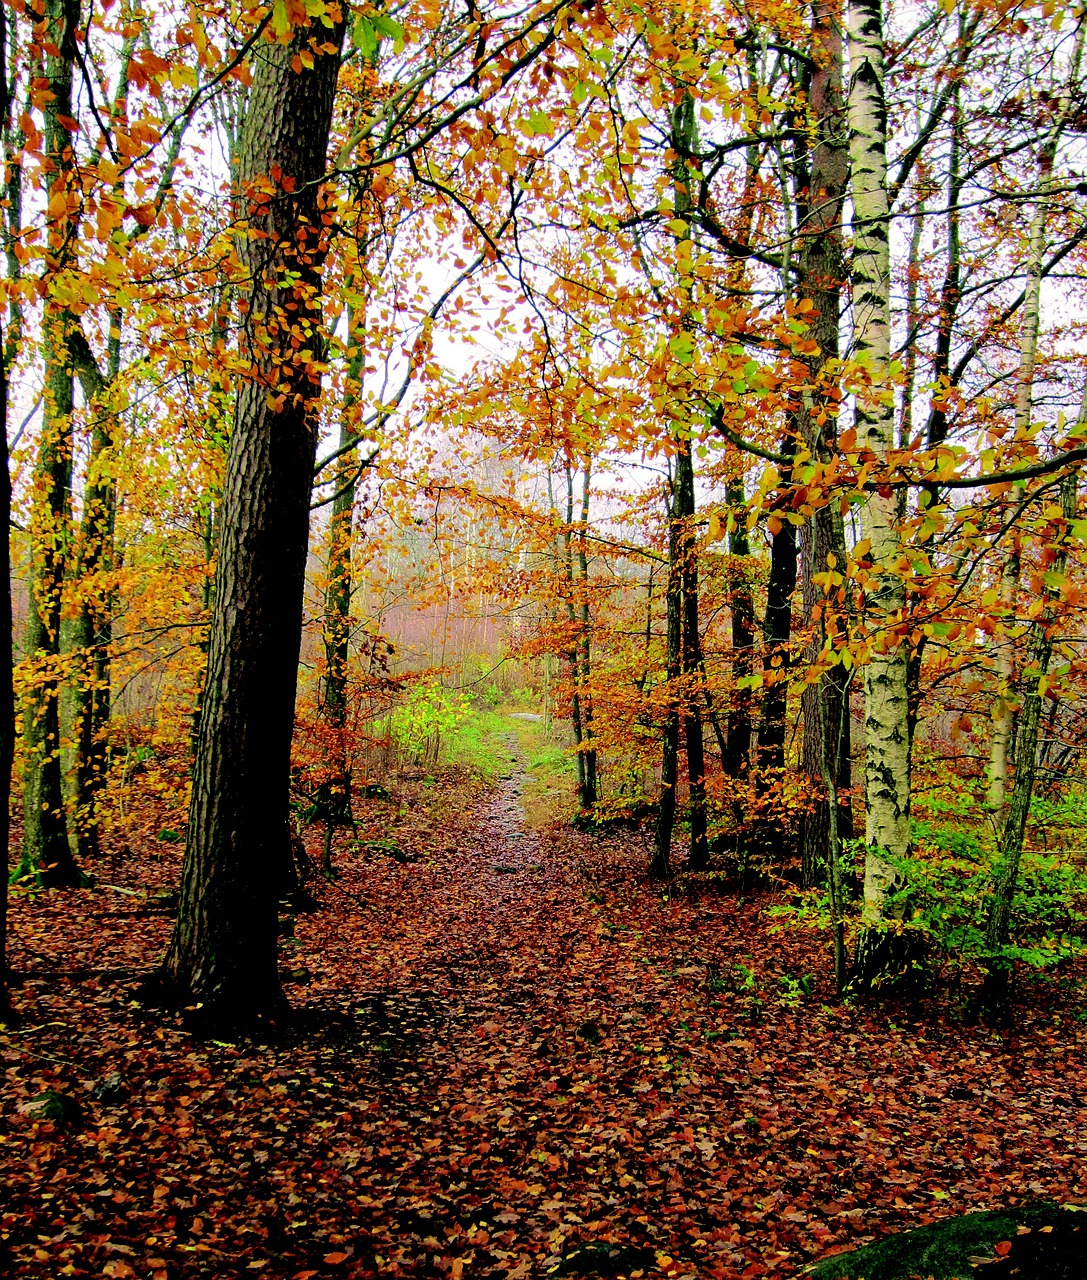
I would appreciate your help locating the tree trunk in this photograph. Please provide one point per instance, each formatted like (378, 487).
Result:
(998, 927)
(660, 863)
(821, 267)
(590, 796)
(222, 957)
(1004, 725)
(46, 854)
(683, 511)
(738, 757)
(777, 632)
(882, 952)
(339, 587)
(90, 633)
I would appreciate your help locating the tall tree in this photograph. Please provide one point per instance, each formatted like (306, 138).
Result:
(46, 854)
(7, 695)
(880, 955)
(821, 182)
(223, 953)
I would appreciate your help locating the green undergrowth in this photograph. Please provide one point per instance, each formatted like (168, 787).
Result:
(1034, 1242)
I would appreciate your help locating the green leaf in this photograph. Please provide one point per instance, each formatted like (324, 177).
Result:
(539, 122)
(388, 27)
(682, 347)
(579, 93)
(364, 37)
(281, 24)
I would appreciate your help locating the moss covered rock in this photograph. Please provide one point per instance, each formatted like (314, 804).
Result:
(1034, 1242)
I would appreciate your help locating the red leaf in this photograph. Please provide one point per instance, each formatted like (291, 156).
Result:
(1004, 1247)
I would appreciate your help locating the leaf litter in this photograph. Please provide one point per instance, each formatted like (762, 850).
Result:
(511, 1057)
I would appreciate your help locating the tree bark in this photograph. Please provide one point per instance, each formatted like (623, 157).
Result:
(222, 957)
(737, 760)
(660, 863)
(1004, 721)
(340, 586)
(7, 696)
(821, 269)
(683, 511)
(1006, 878)
(882, 956)
(46, 854)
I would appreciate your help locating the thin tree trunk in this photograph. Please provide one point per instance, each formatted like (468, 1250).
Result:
(738, 757)
(573, 655)
(882, 954)
(660, 863)
(777, 632)
(821, 268)
(1005, 880)
(589, 796)
(339, 589)
(683, 512)
(222, 957)
(1004, 721)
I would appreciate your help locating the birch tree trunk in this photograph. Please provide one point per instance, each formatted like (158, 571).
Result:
(881, 953)
(1004, 719)
(222, 957)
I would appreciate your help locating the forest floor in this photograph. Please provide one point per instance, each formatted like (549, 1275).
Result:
(513, 1057)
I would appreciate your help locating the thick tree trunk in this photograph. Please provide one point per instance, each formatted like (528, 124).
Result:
(223, 954)
(90, 633)
(882, 953)
(46, 855)
(7, 696)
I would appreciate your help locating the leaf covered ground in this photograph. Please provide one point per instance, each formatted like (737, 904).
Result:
(512, 1057)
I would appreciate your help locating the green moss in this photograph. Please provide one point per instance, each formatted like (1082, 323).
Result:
(952, 1249)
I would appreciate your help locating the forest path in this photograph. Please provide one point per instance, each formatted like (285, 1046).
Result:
(513, 1058)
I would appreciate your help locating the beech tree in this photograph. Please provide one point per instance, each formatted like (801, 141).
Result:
(223, 954)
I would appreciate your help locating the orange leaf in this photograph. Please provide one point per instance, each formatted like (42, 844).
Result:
(1004, 1247)
(334, 1259)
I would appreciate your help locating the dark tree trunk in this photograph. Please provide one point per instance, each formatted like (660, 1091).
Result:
(46, 854)
(590, 793)
(821, 264)
(660, 864)
(777, 632)
(683, 508)
(338, 594)
(90, 634)
(738, 758)
(223, 953)
(7, 697)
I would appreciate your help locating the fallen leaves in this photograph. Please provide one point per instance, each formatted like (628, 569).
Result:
(482, 1083)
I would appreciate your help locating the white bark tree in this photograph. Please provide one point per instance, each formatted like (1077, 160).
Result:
(886, 769)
